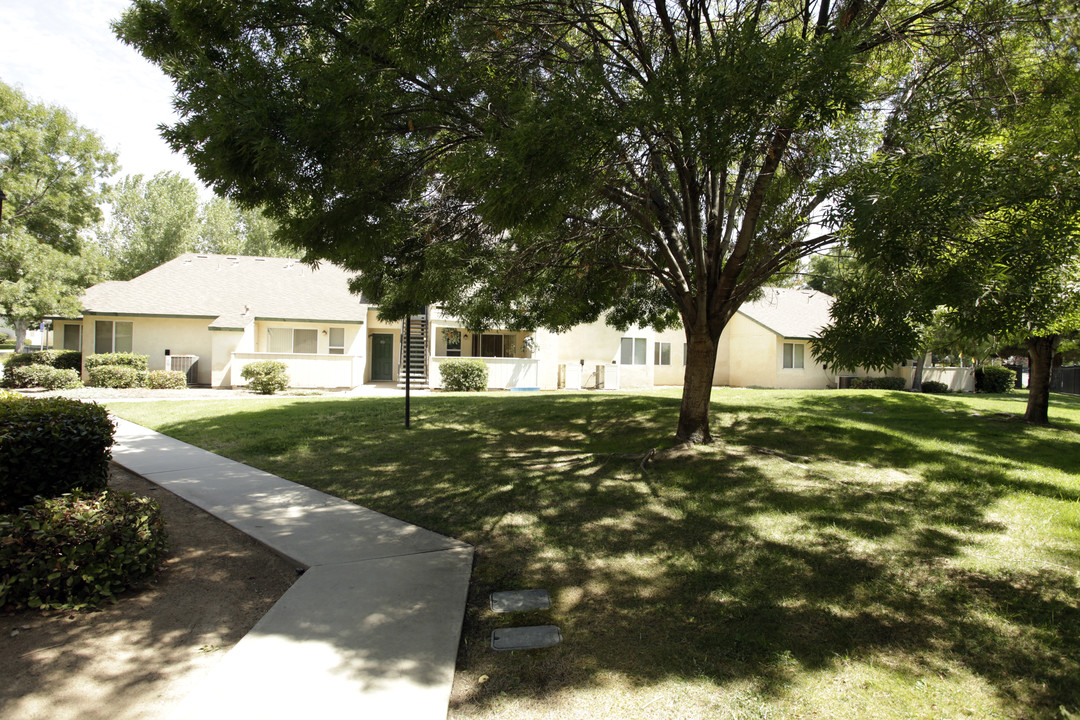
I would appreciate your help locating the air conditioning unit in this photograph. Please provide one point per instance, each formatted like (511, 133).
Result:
(187, 364)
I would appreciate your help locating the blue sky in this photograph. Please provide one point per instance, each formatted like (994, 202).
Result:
(62, 52)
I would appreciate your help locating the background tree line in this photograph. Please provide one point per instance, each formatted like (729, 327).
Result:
(65, 226)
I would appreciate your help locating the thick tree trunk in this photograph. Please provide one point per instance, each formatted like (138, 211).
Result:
(1041, 354)
(916, 374)
(20, 335)
(697, 388)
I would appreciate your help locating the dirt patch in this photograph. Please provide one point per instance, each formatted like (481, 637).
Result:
(139, 657)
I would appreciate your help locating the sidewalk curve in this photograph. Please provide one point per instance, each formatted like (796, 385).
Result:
(370, 630)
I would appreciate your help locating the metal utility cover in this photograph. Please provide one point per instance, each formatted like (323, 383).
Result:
(520, 600)
(525, 638)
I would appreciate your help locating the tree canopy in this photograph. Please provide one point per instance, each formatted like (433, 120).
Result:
(974, 211)
(542, 163)
(53, 173)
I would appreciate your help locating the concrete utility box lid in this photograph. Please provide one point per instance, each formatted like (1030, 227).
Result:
(525, 638)
(520, 600)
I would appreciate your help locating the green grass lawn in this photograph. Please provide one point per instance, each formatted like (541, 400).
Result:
(839, 555)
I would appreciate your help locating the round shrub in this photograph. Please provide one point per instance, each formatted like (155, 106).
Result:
(79, 550)
(131, 360)
(113, 376)
(12, 362)
(464, 375)
(994, 379)
(60, 359)
(52, 446)
(165, 380)
(935, 387)
(46, 377)
(266, 376)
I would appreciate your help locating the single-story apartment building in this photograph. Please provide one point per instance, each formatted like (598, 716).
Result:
(222, 312)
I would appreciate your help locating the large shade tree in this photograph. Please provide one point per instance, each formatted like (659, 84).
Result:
(541, 163)
(53, 174)
(973, 212)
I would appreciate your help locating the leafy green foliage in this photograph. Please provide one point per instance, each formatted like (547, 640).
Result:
(164, 380)
(114, 376)
(934, 387)
(654, 165)
(44, 376)
(9, 395)
(131, 360)
(52, 446)
(60, 359)
(266, 377)
(994, 379)
(463, 375)
(79, 550)
(54, 174)
(878, 383)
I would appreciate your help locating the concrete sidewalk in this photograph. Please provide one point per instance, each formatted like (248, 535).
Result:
(370, 630)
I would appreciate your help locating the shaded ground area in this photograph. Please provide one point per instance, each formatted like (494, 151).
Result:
(136, 658)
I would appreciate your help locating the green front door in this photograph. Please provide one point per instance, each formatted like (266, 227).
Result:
(382, 357)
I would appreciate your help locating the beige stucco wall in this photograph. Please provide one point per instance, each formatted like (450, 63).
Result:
(752, 354)
(151, 336)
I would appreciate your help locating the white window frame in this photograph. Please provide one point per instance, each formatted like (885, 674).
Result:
(112, 336)
(632, 351)
(331, 347)
(794, 356)
(661, 353)
(292, 335)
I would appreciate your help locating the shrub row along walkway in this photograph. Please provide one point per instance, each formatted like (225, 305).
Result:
(372, 627)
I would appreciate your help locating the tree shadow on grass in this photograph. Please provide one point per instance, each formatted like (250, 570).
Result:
(724, 566)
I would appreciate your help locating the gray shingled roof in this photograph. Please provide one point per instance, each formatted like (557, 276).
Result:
(790, 313)
(233, 289)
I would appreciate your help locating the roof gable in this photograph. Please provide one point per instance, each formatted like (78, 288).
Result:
(790, 312)
(234, 286)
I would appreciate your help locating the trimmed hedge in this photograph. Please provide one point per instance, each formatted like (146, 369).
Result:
(164, 380)
(46, 377)
(131, 360)
(266, 376)
(935, 387)
(10, 395)
(994, 379)
(464, 375)
(52, 446)
(878, 383)
(59, 359)
(12, 362)
(79, 550)
(114, 376)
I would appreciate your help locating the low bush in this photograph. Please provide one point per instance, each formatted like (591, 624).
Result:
(266, 376)
(13, 362)
(164, 380)
(9, 395)
(46, 377)
(60, 359)
(464, 375)
(933, 386)
(52, 446)
(878, 383)
(131, 360)
(79, 550)
(113, 376)
(994, 379)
